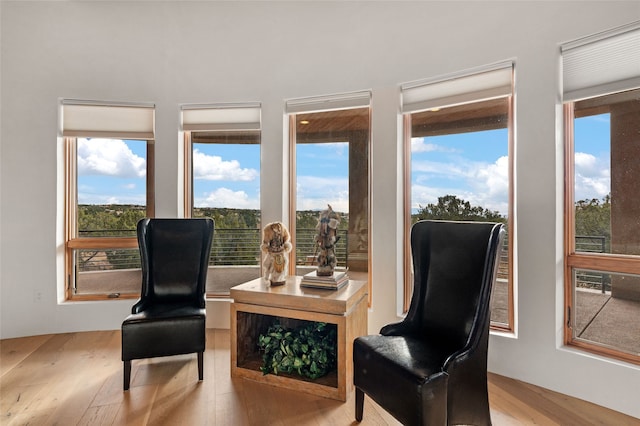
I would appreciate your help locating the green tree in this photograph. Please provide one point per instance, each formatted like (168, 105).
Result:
(308, 219)
(450, 207)
(235, 247)
(128, 218)
(111, 220)
(593, 219)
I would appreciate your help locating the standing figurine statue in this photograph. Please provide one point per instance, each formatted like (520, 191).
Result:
(326, 240)
(276, 244)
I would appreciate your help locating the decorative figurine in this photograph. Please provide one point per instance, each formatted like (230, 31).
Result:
(275, 244)
(326, 240)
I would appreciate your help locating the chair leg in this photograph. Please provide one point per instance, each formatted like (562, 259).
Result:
(359, 404)
(127, 374)
(200, 365)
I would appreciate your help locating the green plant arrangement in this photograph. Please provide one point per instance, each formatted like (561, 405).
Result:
(309, 350)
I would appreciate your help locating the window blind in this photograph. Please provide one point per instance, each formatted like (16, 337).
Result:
(329, 102)
(107, 119)
(478, 84)
(602, 63)
(223, 117)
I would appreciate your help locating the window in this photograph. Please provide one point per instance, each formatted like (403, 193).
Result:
(222, 152)
(330, 139)
(458, 162)
(602, 261)
(109, 187)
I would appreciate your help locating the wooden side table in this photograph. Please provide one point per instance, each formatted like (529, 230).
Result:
(256, 305)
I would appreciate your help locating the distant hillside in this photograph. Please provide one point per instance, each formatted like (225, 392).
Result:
(121, 219)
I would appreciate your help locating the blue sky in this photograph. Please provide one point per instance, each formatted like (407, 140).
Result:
(226, 175)
(472, 166)
(593, 157)
(322, 176)
(111, 171)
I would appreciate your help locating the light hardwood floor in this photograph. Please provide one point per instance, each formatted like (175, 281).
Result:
(76, 379)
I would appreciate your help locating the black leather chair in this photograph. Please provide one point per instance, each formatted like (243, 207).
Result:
(431, 368)
(169, 318)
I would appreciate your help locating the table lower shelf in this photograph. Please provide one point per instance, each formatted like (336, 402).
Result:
(254, 363)
(325, 386)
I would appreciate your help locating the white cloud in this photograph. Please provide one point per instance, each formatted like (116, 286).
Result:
(213, 167)
(418, 145)
(90, 197)
(422, 195)
(430, 169)
(324, 150)
(482, 184)
(592, 176)
(225, 197)
(109, 157)
(599, 118)
(309, 185)
(316, 192)
(491, 185)
(338, 149)
(585, 161)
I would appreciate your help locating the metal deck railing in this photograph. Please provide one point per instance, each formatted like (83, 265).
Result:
(241, 247)
(230, 247)
(592, 279)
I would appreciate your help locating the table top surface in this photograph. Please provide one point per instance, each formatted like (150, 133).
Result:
(292, 296)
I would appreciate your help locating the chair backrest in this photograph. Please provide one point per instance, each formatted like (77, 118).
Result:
(454, 268)
(175, 257)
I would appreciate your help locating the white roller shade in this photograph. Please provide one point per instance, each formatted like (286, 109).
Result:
(107, 119)
(478, 84)
(602, 63)
(224, 117)
(329, 102)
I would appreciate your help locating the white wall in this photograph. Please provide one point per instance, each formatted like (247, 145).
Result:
(187, 52)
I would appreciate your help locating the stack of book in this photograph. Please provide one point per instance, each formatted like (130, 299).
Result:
(332, 282)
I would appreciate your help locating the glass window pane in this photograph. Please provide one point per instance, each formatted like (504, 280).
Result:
(332, 169)
(607, 174)
(313, 196)
(111, 186)
(107, 271)
(602, 318)
(110, 197)
(226, 188)
(605, 307)
(460, 171)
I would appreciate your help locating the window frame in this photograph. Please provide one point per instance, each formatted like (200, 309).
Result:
(319, 104)
(592, 68)
(468, 97)
(73, 242)
(215, 118)
(605, 262)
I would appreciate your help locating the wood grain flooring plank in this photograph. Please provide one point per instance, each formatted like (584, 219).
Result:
(76, 379)
(75, 393)
(37, 371)
(14, 351)
(135, 408)
(103, 415)
(27, 418)
(229, 409)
